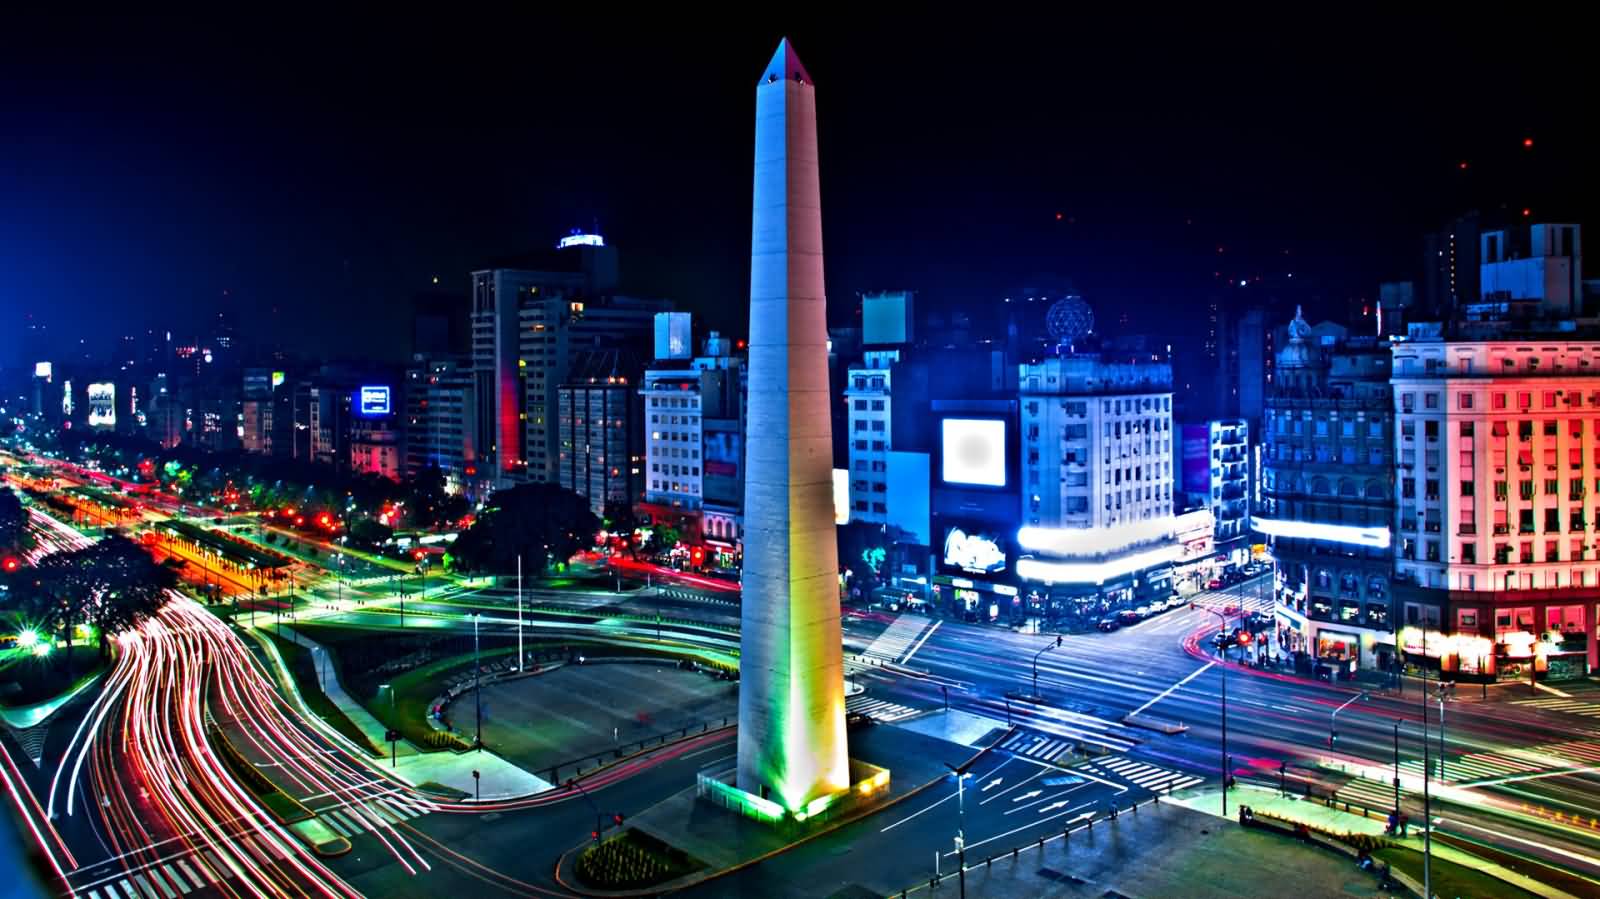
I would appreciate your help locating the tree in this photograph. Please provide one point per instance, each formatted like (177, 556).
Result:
(112, 586)
(542, 523)
(13, 521)
(430, 503)
(863, 549)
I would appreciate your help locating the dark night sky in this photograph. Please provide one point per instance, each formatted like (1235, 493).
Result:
(328, 167)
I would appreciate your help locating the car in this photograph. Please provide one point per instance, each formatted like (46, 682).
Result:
(1108, 623)
(1214, 584)
(1142, 611)
(1128, 616)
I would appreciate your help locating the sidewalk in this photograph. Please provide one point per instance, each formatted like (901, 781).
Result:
(498, 779)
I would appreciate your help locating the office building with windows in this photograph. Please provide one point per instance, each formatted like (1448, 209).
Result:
(1328, 500)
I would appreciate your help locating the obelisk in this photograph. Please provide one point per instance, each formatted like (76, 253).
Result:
(792, 745)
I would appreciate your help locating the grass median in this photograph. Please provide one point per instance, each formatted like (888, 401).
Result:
(1449, 878)
(302, 667)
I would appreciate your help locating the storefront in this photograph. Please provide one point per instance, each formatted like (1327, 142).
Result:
(977, 600)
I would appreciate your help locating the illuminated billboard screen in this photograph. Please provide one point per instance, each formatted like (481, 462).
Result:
(841, 496)
(373, 400)
(43, 370)
(1196, 458)
(973, 451)
(974, 550)
(277, 379)
(102, 404)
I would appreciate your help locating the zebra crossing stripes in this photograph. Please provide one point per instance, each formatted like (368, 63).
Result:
(1154, 778)
(896, 639)
(358, 818)
(1043, 747)
(880, 709)
(1476, 766)
(1369, 793)
(1586, 708)
(180, 877)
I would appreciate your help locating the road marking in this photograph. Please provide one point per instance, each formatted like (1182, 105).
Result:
(1052, 806)
(1028, 795)
(1167, 692)
(1001, 836)
(1035, 802)
(1018, 785)
(907, 656)
(175, 877)
(992, 784)
(916, 813)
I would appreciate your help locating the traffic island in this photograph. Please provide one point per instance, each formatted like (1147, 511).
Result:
(632, 860)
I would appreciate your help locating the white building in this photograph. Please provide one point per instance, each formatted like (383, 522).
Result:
(1097, 469)
(867, 395)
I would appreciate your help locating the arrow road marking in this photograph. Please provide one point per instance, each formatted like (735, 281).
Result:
(1028, 795)
(992, 784)
(1052, 806)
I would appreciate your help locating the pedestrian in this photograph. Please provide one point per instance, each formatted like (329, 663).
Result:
(1405, 822)
(1394, 821)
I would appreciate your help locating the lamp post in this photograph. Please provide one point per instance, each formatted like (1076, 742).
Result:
(519, 613)
(1441, 731)
(1047, 648)
(1397, 724)
(961, 774)
(1226, 775)
(1333, 720)
(477, 685)
(1427, 765)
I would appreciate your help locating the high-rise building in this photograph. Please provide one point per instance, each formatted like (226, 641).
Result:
(693, 471)
(868, 421)
(1328, 498)
(441, 421)
(601, 428)
(528, 324)
(1097, 467)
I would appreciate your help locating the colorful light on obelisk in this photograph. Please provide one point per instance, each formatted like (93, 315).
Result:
(792, 746)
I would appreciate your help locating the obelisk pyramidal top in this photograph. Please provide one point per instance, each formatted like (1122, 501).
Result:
(792, 745)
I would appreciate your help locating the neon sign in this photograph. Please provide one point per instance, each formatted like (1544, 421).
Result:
(579, 239)
(374, 400)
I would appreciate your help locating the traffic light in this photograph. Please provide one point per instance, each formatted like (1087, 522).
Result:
(1244, 638)
(10, 564)
(617, 819)
(594, 835)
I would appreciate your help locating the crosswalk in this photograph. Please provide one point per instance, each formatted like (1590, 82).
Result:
(1368, 793)
(1567, 705)
(880, 709)
(357, 818)
(1043, 747)
(203, 870)
(1512, 763)
(896, 640)
(1154, 778)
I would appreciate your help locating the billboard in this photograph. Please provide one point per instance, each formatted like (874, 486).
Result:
(973, 451)
(66, 397)
(1197, 458)
(373, 401)
(277, 379)
(720, 464)
(673, 340)
(43, 370)
(841, 496)
(887, 318)
(973, 549)
(102, 404)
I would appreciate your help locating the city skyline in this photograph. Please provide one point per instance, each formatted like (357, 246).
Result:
(350, 182)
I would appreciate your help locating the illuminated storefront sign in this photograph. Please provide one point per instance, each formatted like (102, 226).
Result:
(579, 239)
(374, 400)
(1377, 538)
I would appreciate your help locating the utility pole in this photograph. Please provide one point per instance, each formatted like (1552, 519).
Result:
(520, 656)
(1226, 774)
(1427, 765)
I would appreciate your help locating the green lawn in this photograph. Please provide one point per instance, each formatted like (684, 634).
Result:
(1450, 879)
(303, 669)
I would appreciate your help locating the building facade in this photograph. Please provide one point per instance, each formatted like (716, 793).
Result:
(1328, 500)
(601, 430)
(441, 421)
(1499, 460)
(1097, 488)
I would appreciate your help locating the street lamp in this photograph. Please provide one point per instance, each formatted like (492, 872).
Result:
(1226, 775)
(1397, 724)
(1047, 648)
(477, 685)
(1333, 720)
(961, 774)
